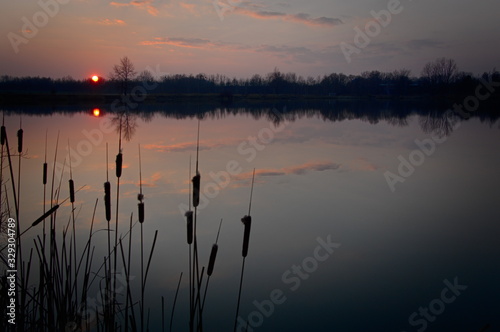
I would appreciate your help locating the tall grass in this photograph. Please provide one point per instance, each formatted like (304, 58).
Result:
(247, 222)
(71, 277)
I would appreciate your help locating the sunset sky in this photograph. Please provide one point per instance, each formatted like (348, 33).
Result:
(241, 38)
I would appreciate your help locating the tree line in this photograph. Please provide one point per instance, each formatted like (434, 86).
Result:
(439, 77)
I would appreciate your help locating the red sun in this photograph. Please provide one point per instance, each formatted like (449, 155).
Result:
(95, 78)
(96, 112)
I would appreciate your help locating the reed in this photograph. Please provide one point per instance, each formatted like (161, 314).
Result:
(247, 222)
(175, 301)
(68, 273)
(211, 265)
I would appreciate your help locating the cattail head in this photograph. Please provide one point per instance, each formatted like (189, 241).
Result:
(44, 173)
(247, 221)
(71, 191)
(119, 162)
(211, 262)
(107, 199)
(20, 140)
(141, 212)
(3, 135)
(189, 220)
(196, 189)
(45, 215)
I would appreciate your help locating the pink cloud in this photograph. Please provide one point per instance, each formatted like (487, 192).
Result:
(244, 179)
(105, 21)
(301, 18)
(181, 42)
(182, 147)
(141, 4)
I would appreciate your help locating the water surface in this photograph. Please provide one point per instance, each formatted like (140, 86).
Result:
(321, 177)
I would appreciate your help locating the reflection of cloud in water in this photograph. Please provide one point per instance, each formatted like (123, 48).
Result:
(182, 147)
(244, 179)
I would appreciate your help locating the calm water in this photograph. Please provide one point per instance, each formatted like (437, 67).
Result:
(337, 242)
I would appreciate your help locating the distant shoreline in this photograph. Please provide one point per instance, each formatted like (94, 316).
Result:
(72, 99)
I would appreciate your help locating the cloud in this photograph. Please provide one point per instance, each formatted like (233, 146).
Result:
(264, 172)
(106, 21)
(291, 54)
(182, 147)
(363, 164)
(295, 53)
(190, 7)
(417, 44)
(301, 18)
(141, 4)
(181, 42)
(153, 181)
(244, 179)
(312, 166)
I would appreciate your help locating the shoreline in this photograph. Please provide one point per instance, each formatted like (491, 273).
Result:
(72, 99)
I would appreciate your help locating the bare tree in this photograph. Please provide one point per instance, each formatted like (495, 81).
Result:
(123, 73)
(146, 76)
(440, 71)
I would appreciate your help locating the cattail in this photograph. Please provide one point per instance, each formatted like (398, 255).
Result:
(189, 216)
(119, 162)
(211, 262)
(196, 189)
(71, 191)
(107, 199)
(20, 140)
(141, 212)
(44, 173)
(45, 215)
(247, 221)
(3, 135)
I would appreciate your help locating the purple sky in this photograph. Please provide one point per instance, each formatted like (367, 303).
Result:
(242, 38)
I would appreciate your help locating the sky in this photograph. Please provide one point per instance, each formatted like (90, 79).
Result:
(57, 38)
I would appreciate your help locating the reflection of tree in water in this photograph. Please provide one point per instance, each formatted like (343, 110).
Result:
(398, 121)
(147, 116)
(440, 124)
(126, 123)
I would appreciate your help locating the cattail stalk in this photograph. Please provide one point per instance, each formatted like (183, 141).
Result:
(211, 264)
(72, 200)
(44, 178)
(140, 197)
(175, 301)
(119, 163)
(247, 222)
(196, 201)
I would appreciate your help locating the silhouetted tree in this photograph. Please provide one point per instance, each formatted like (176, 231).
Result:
(123, 73)
(145, 76)
(440, 71)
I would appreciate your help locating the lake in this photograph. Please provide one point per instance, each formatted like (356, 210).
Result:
(366, 216)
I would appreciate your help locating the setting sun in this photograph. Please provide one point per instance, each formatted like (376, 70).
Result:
(95, 78)
(96, 112)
